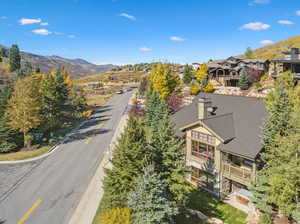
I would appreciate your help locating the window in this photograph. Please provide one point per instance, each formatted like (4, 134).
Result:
(203, 137)
(202, 150)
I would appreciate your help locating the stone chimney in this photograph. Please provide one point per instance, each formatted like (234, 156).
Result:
(295, 53)
(204, 105)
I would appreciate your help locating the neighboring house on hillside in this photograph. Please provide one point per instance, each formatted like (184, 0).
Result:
(223, 143)
(227, 72)
(291, 62)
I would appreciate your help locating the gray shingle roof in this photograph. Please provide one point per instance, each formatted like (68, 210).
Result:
(244, 124)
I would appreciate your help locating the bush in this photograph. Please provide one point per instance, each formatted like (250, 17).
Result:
(209, 88)
(265, 219)
(195, 89)
(116, 216)
(87, 113)
(256, 85)
(264, 77)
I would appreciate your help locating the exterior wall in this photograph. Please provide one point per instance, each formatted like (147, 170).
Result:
(218, 167)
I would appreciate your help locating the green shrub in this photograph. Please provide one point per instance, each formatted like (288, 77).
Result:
(256, 85)
(264, 77)
(265, 219)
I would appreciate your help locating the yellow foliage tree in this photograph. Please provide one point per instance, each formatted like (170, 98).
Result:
(202, 73)
(116, 216)
(24, 107)
(69, 81)
(163, 80)
(195, 89)
(209, 88)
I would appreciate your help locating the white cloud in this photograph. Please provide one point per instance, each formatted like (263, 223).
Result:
(256, 26)
(25, 21)
(44, 24)
(266, 42)
(261, 1)
(298, 12)
(285, 22)
(3, 17)
(42, 32)
(72, 36)
(145, 49)
(178, 39)
(127, 16)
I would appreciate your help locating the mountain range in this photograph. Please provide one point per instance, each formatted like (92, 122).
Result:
(77, 67)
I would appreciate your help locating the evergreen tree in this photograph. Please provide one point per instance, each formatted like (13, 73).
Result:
(24, 108)
(249, 53)
(129, 158)
(7, 137)
(187, 74)
(243, 81)
(168, 154)
(54, 94)
(14, 58)
(150, 201)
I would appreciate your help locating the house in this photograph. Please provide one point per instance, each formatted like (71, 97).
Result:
(223, 142)
(227, 72)
(291, 62)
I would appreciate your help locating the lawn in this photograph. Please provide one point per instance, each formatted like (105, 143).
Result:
(22, 155)
(212, 206)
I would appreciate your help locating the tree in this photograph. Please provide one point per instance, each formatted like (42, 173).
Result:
(143, 85)
(24, 108)
(278, 182)
(169, 156)
(163, 80)
(7, 137)
(249, 53)
(187, 74)
(150, 200)
(3, 53)
(254, 75)
(116, 216)
(243, 81)
(129, 158)
(202, 75)
(175, 102)
(14, 58)
(54, 98)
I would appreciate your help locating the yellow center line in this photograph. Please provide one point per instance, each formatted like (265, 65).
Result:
(29, 212)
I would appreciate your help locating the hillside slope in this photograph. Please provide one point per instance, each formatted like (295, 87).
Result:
(274, 51)
(77, 67)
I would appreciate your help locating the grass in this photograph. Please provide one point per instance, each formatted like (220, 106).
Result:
(212, 206)
(97, 100)
(22, 155)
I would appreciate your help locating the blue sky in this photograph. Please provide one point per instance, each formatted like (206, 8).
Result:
(130, 31)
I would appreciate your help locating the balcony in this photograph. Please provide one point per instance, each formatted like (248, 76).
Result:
(203, 156)
(238, 174)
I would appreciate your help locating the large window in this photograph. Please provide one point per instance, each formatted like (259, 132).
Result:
(203, 137)
(202, 150)
(202, 178)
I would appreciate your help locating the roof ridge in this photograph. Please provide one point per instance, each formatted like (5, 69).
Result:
(220, 115)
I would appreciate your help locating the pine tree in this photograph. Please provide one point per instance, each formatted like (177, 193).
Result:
(14, 58)
(54, 94)
(243, 81)
(150, 201)
(7, 137)
(168, 154)
(24, 107)
(129, 158)
(187, 74)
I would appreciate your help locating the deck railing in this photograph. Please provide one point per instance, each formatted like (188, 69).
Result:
(238, 174)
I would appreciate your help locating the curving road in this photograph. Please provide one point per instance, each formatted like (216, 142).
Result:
(47, 191)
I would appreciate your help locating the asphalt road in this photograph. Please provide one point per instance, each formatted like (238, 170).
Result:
(48, 191)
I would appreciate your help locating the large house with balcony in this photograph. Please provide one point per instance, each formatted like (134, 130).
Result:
(227, 72)
(291, 62)
(223, 142)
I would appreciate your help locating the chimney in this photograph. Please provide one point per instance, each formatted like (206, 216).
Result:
(203, 107)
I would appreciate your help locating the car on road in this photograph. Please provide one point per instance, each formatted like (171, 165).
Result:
(119, 92)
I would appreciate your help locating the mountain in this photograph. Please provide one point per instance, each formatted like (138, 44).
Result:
(274, 51)
(77, 67)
